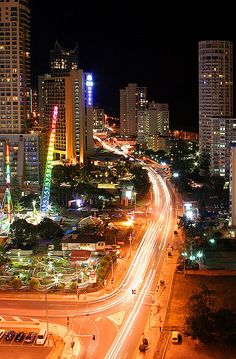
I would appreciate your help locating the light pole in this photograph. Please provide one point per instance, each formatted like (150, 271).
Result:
(112, 269)
(135, 194)
(33, 203)
(46, 301)
(130, 244)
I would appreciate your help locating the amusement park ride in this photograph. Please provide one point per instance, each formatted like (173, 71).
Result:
(6, 209)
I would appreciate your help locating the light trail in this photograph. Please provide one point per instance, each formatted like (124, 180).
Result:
(113, 352)
(149, 244)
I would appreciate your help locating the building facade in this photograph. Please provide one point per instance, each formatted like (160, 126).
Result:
(62, 61)
(224, 134)
(25, 156)
(98, 119)
(14, 65)
(133, 102)
(215, 88)
(74, 96)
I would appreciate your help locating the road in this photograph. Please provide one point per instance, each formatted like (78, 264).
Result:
(117, 319)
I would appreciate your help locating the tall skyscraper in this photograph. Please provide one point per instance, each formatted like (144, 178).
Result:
(74, 96)
(133, 102)
(215, 87)
(62, 61)
(14, 65)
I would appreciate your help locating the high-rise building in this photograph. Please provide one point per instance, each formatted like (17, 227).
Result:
(24, 160)
(224, 134)
(215, 87)
(98, 119)
(14, 65)
(62, 61)
(153, 126)
(73, 94)
(133, 102)
(158, 119)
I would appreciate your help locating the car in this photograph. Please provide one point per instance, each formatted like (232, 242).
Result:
(2, 332)
(30, 337)
(176, 337)
(9, 335)
(41, 337)
(19, 337)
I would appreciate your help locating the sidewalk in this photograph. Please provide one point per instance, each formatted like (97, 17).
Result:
(157, 315)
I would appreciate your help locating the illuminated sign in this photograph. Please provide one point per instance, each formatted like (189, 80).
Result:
(89, 87)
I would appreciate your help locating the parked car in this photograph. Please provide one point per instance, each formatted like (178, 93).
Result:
(30, 337)
(176, 337)
(41, 337)
(10, 335)
(2, 332)
(19, 337)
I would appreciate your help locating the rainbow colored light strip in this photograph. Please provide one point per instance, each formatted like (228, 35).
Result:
(48, 170)
(8, 182)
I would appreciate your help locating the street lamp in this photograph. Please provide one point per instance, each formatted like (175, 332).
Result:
(112, 269)
(34, 203)
(135, 194)
(130, 244)
(46, 300)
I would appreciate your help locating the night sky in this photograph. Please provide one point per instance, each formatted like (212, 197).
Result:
(153, 46)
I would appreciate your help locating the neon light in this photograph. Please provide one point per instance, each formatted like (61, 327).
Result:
(7, 205)
(89, 86)
(48, 170)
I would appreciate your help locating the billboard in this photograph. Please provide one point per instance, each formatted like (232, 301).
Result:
(92, 276)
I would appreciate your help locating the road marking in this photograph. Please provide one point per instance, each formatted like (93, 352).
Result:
(97, 319)
(118, 317)
(17, 319)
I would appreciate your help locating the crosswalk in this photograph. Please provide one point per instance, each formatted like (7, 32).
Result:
(8, 318)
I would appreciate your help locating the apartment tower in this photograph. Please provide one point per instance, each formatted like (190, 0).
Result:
(215, 87)
(14, 65)
(133, 103)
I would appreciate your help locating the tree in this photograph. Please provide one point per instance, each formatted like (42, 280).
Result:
(23, 234)
(225, 324)
(140, 181)
(16, 283)
(33, 283)
(199, 324)
(48, 229)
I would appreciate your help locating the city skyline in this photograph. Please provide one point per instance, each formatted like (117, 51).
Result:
(120, 47)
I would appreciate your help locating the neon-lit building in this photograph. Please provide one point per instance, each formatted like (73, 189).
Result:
(74, 96)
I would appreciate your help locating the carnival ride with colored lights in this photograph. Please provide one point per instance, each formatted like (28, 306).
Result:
(44, 207)
(6, 209)
(6, 214)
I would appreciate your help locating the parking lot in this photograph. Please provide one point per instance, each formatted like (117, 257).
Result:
(22, 349)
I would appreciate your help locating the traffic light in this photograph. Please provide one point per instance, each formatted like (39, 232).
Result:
(68, 322)
(93, 336)
(72, 344)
